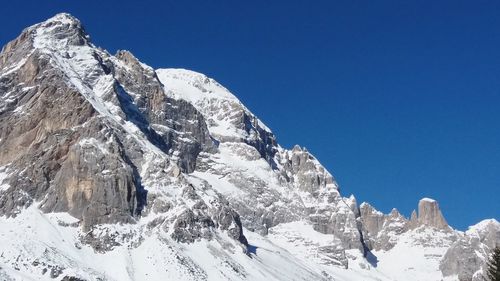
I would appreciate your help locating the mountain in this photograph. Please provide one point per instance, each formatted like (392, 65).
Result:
(112, 170)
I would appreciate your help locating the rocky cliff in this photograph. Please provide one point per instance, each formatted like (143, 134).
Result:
(168, 174)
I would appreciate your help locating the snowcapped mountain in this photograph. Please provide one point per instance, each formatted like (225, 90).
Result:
(112, 170)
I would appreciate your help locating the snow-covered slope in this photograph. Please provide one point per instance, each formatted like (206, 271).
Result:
(37, 246)
(111, 170)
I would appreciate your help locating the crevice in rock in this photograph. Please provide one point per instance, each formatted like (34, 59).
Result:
(265, 144)
(140, 192)
(134, 115)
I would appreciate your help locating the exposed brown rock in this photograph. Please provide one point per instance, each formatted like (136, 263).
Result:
(429, 214)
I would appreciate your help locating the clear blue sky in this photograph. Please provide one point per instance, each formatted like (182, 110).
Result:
(399, 99)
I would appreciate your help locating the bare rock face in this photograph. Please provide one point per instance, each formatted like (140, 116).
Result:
(196, 222)
(305, 172)
(96, 184)
(380, 231)
(395, 224)
(414, 220)
(341, 220)
(373, 220)
(429, 214)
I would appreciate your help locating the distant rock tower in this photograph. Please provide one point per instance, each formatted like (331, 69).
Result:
(429, 214)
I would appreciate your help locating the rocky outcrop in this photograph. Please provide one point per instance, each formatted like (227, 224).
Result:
(199, 220)
(305, 172)
(380, 231)
(395, 224)
(339, 219)
(373, 220)
(429, 214)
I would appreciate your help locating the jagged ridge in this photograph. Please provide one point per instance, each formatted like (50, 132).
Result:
(177, 158)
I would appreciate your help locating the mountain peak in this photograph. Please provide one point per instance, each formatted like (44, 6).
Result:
(61, 30)
(59, 23)
(64, 18)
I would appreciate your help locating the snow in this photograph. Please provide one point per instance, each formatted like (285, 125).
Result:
(233, 162)
(219, 106)
(63, 18)
(302, 241)
(405, 262)
(92, 142)
(428, 200)
(223, 186)
(298, 229)
(62, 218)
(36, 238)
(192, 86)
(416, 255)
(482, 226)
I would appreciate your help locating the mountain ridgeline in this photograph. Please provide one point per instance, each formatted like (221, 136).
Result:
(113, 170)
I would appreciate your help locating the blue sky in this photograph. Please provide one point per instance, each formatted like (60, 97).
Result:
(398, 99)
